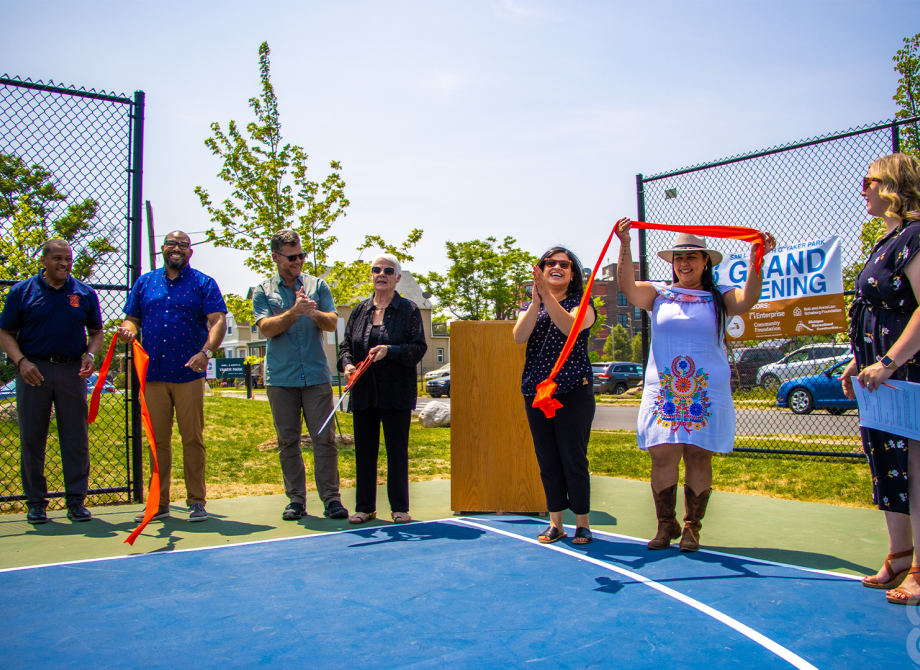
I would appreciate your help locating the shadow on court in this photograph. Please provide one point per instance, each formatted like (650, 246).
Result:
(415, 533)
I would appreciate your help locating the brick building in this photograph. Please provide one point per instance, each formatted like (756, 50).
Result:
(615, 306)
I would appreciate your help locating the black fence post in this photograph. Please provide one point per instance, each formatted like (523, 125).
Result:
(895, 139)
(137, 201)
(643, 264)
(247, 370)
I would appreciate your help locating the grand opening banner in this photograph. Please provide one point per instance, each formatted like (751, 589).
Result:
(802, 292)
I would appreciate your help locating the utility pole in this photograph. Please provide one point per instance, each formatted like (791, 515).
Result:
(151, 240)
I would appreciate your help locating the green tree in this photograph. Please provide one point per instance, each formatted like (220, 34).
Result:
(871, 232)
(270, 191)
(608, 347)
(30, 204)
(484, 280)
(907, 96)
(622, 347)
(594, 357)
(600, 320)
(636, 347)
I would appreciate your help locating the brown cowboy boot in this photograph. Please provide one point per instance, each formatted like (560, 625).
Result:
(695, 506)
(668, 527)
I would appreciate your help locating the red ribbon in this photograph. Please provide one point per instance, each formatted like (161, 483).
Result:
(141, 360)
(362, 367)
(742, 233)
(544, 399)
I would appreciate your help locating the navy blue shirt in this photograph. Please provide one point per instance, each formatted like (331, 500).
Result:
(51, 321)
(543, 348)
(174, 323)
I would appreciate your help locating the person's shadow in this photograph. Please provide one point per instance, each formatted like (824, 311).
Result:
(416, 533)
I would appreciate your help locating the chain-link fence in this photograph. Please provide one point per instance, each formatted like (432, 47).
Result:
(799, 192)
(72, 160)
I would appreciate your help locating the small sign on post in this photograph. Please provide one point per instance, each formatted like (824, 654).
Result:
(226, 368)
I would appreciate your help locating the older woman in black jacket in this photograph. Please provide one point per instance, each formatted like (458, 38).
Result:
(391, 327)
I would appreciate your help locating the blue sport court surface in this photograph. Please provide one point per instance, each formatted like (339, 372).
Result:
(461, 592)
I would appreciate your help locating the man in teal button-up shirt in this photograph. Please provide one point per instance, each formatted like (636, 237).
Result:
(292, 311)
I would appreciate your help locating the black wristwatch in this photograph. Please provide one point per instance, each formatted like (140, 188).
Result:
(889, 363)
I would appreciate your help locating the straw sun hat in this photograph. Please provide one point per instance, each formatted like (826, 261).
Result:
(688, 242)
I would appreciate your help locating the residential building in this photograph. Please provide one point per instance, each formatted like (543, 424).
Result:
(614, 306)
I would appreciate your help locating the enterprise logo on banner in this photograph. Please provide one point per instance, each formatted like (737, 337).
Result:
(802, 291)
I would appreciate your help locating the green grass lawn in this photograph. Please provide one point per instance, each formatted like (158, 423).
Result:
(236, 467)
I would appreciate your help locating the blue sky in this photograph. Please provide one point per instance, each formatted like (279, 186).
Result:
(476, 118)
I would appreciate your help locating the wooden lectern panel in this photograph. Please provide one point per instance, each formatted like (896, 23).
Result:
(493, 467)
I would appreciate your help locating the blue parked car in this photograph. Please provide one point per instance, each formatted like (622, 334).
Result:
(8, 390)
(821, 391)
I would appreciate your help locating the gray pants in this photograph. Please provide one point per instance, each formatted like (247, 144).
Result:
(66, 390)
(314, 403)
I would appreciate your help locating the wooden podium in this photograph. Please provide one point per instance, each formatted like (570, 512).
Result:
(493, 467)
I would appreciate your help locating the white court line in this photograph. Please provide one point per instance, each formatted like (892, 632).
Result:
(216, 546)
(792, 658)
(746, 558)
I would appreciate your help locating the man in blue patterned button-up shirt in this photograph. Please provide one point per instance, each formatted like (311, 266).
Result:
(183, 318)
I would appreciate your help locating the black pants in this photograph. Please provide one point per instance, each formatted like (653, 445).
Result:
(66, 390)
(367, 447)
(561, 444)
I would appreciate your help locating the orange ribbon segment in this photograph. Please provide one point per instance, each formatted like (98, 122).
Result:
(742, 233)
(141, 361)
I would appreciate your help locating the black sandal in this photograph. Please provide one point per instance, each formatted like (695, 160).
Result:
(582, 536)
(550, 535)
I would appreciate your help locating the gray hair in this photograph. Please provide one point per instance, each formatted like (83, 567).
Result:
(284, 238)
(392, 259)
(54, 242)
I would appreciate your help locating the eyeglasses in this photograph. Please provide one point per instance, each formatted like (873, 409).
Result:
(869, 180)
(386, 271)
(172, 244)
(550, 263)
(293, 257)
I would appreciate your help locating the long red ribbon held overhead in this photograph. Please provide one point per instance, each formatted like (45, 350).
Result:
(544, 399)
(141, 360)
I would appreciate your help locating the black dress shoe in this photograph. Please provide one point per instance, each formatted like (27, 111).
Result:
(77, 512)
(336, 510)
(37, 514)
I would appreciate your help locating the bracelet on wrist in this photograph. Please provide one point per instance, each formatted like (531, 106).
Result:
(19, 362)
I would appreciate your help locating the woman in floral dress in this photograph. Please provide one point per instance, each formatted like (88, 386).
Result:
(885, 336)
(687, 411)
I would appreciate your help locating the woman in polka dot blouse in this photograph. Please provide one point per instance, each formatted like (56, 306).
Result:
(561, 443)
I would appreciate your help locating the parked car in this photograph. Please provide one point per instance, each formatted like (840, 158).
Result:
(438, 387)
(802, 362)
(8, 390)
(616, 377)
(440, 372)
(821, 391)
(746, 361)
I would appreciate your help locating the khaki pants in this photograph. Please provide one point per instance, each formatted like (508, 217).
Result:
(314, 403)
(188, 402)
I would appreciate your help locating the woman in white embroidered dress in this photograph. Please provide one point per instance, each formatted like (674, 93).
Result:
(687, 411)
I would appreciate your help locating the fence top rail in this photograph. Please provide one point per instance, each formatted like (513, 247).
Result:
(785, 147)
(6, 80)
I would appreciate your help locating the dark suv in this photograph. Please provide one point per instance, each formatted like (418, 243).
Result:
(616, 377)
(745, 362)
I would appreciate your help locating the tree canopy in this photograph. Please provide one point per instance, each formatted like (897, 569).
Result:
(907, 95)
(484, 280)
(270, 191)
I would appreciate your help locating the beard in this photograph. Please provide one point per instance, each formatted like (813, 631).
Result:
(175, 264)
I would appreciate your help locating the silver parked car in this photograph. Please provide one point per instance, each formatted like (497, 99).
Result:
(802, 362)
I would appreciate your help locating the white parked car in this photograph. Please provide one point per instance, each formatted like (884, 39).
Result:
(436, 374)
(802, 362)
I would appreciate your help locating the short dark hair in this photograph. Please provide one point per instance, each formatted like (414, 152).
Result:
(284, 238)
(577, 284)
(52, 243)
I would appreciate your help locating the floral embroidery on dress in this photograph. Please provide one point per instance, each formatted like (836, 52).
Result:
(666, 292)
(682, 400)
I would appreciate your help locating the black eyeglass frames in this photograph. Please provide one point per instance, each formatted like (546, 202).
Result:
(387, 271)
(293, 257)
(550, 263)
(172, 244)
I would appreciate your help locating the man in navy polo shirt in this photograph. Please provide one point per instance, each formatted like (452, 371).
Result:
(183, 318)
(43, 330)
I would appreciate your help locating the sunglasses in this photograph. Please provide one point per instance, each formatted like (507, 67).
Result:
(293, 257)
(387, 271)
(172, 244)
(869, 180)
(550, 263)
